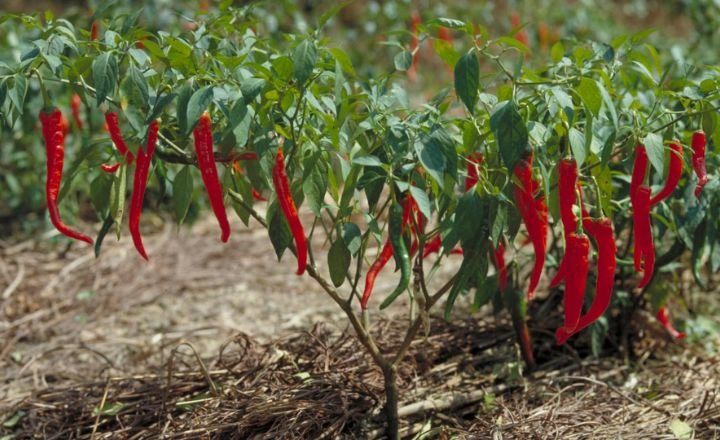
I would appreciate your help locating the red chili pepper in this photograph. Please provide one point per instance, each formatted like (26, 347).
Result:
(65, 126)
(94, 30)
(75, 106)
(287, 204)
(543, 36)
(499, 253)
(434, 246)
(142, 169)
(664, 317)
(644, 252)
(52, 129)
(472, 178)
(202, 134)
(698, 160)
(255, 193)
(639, 170)
(110, 169)
(578, 248)
(535, 216)
(674, 173)
(567, 182)
(601, 230)
(113, 125)
(257, 196)
(372, 273)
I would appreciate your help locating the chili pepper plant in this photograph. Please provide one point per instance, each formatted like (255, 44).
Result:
(586, 153)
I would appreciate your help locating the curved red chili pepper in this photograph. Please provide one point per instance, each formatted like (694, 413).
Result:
(372, 273)
(287, 204)
(644, 252)
(434, 245)
(567, 182)
(113, 125)
(674, 174)
(94, 30)
(52, 129)
(639, 170)
(202, 134)
(578, 248)
(535, 216)
(698, 160)
(75, 103)
(110, 169)
(142, 169)
(664, 317)
(601, 230)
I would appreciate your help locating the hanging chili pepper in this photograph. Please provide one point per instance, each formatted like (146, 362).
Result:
(567, 182)
(287, 204)
(644, 252)
(142, 169)
(113, 126)
(396, 225)
(52, 129)
(372, 273)
(674, 173)
(698, 160)
(601, 230)
(521, 35)
(110, 169)
(639, 170)
(75, 106)
(534, 214)
(664, 317)
(499, 253)
(202, 134)
(578, 248)
(387, 252)
(64, 125)
(94, 30)
(543, 36)
(434, 245)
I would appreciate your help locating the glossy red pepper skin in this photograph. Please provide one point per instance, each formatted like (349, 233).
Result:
(499, 254)
(698, 143)
(664, 317)
(94, 30)
(142, 169)
(53, 133)
(202, 135)
(601, 230)
(113, 125)
(567, 182)
(287, 205)
(372, 273)
(640, 167)
(578, 249)
(535, 216)
(644, 252)
(75, 103)
(674, 173)
(110, 169)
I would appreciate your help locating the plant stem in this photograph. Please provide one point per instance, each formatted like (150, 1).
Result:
(391, 401)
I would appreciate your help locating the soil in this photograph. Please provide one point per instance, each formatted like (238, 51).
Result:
(221, 341)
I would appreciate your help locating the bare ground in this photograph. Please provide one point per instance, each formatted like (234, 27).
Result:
(221, 341)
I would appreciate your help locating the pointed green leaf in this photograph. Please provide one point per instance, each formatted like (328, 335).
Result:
(467, 79)
(105, 75)
(510, 133)
(338, 262)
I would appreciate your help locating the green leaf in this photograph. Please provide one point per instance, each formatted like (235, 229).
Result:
(279, 232)
(577, 144)
(467, 79)
(105, 76)
(198, 103)
(446, 51)
(100, 193)
(338, 262)
(656, 151)
(403, 61)
(182, 193)
(315, 184)
(510, 133)
(184, 96)
(135, 88)
(18, 92)
(422, 200)
(353, 237)
(304, 58)
(589, 92)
